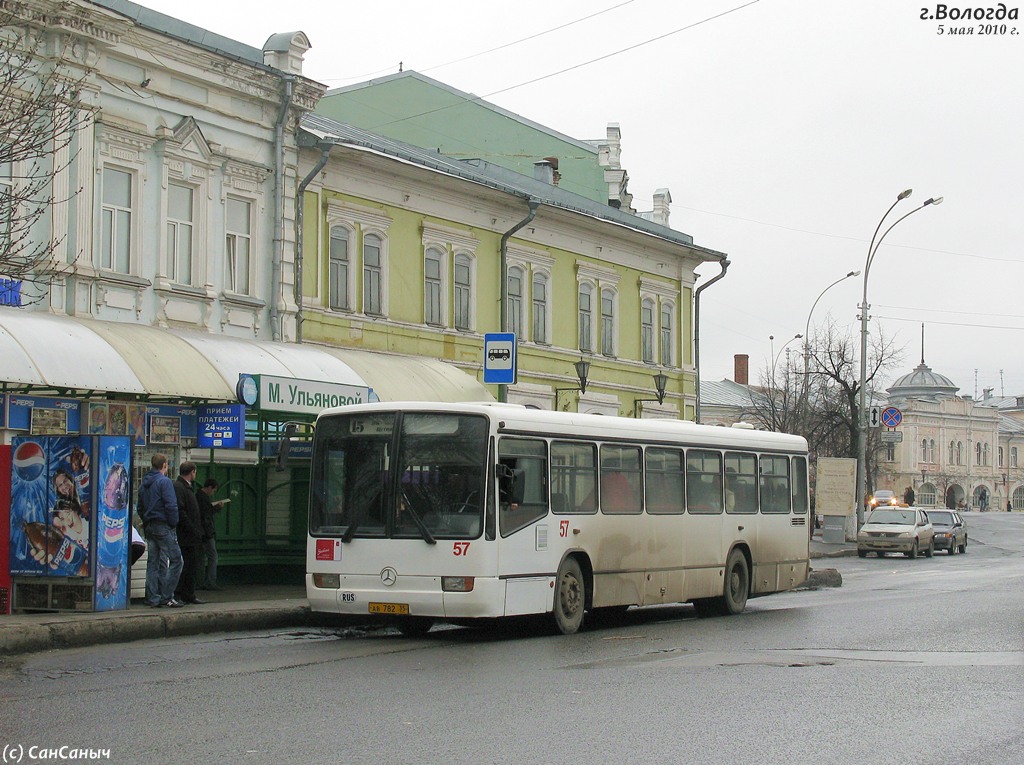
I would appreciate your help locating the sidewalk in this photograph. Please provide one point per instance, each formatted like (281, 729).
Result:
(233, 609)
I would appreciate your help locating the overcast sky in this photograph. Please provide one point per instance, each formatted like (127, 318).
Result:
(784, 129)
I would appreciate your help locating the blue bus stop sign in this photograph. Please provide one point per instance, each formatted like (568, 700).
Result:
(500, 358)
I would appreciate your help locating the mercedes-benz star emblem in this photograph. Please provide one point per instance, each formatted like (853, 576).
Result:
(388, 576)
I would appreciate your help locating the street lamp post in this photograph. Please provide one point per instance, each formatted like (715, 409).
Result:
(807, 335)
(862, 420)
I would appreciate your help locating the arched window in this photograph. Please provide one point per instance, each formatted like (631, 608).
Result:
(1001, 457)
(373, 275)
(338, 270)
(608, 322)
(1013, 456)
(666, 334)
(1018, 498)
(463, 291)
(585, 309)
(432, 271)
(540, 308)
(515, 300)
(987, 455)
(933, 452)
(952, 453)
(647, 331)
(977, 453)
(959, 452)
(924, 450)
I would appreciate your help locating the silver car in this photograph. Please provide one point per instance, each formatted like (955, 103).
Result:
(950, 531)
(896, 529)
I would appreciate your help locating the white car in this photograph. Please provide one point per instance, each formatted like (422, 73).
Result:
(896, 529)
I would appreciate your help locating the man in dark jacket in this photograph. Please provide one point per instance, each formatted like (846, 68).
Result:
(207, 509)
(190, 532)
(158, 508)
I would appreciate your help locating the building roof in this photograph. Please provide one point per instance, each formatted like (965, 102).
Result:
(181, 30)
(922, 383)
(492, 176)
(725, 393)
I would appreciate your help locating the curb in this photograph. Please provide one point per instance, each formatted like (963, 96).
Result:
(35, 638)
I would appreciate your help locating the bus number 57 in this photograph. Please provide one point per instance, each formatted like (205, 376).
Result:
(563, 528)
(460, 548)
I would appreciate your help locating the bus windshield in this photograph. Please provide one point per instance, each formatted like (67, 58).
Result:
(385, 475)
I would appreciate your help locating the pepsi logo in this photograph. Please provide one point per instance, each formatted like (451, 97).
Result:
(29, 461)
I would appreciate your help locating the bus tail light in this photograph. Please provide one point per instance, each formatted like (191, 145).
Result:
(457, 583)
(327, 581)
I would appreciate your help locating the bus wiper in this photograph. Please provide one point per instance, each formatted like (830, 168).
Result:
(424, 531)
(349, 532)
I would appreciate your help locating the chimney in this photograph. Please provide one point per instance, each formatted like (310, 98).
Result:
(741, 368)
(662, 200)
(546, 171)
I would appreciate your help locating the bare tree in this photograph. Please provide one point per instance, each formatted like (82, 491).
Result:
(39, 113)
(824, 406)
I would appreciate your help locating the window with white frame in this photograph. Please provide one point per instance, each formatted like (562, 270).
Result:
(116, 220)
(180, 227)
(516, 278)
(463, 291)
(238, 245)
(540, 308)
(373, 275)
(1013, 456)
(433, 269)
(585, 308)
(666, 329)
(608, 321)
(647, 331)
(339, 271)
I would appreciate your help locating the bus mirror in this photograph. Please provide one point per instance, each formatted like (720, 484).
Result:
(511, 484)
(284, 447)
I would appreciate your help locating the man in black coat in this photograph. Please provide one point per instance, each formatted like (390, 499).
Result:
(190, 532)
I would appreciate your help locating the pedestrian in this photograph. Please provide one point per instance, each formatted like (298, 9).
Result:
(190, 532)
(207, 509)
(1009, 506)
(909, 496)
(158, 508)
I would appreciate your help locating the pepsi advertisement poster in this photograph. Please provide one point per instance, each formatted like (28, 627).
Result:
(113, 527)
(70, 498)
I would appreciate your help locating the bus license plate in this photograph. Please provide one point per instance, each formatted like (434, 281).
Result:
(389, 608)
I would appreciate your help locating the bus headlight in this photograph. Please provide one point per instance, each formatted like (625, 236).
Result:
(457, 583)
(327, 581)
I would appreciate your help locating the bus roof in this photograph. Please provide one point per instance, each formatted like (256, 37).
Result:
(518, 418)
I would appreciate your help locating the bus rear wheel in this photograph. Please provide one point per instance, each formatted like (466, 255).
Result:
(735, 590)
(570, 597)
(737, 583)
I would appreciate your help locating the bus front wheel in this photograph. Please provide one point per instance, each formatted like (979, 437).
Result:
(570, 597)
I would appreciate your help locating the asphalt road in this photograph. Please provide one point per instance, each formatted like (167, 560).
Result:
(910, 661)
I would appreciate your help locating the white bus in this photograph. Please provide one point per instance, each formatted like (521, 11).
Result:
(424, 511)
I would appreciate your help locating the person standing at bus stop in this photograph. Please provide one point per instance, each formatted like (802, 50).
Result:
(158, 508)
(207, 509)
(190, 532)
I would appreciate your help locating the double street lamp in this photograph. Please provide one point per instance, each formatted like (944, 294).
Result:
(862, 418)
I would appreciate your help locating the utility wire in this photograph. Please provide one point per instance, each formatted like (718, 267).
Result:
(534, 36)
(574, 66)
